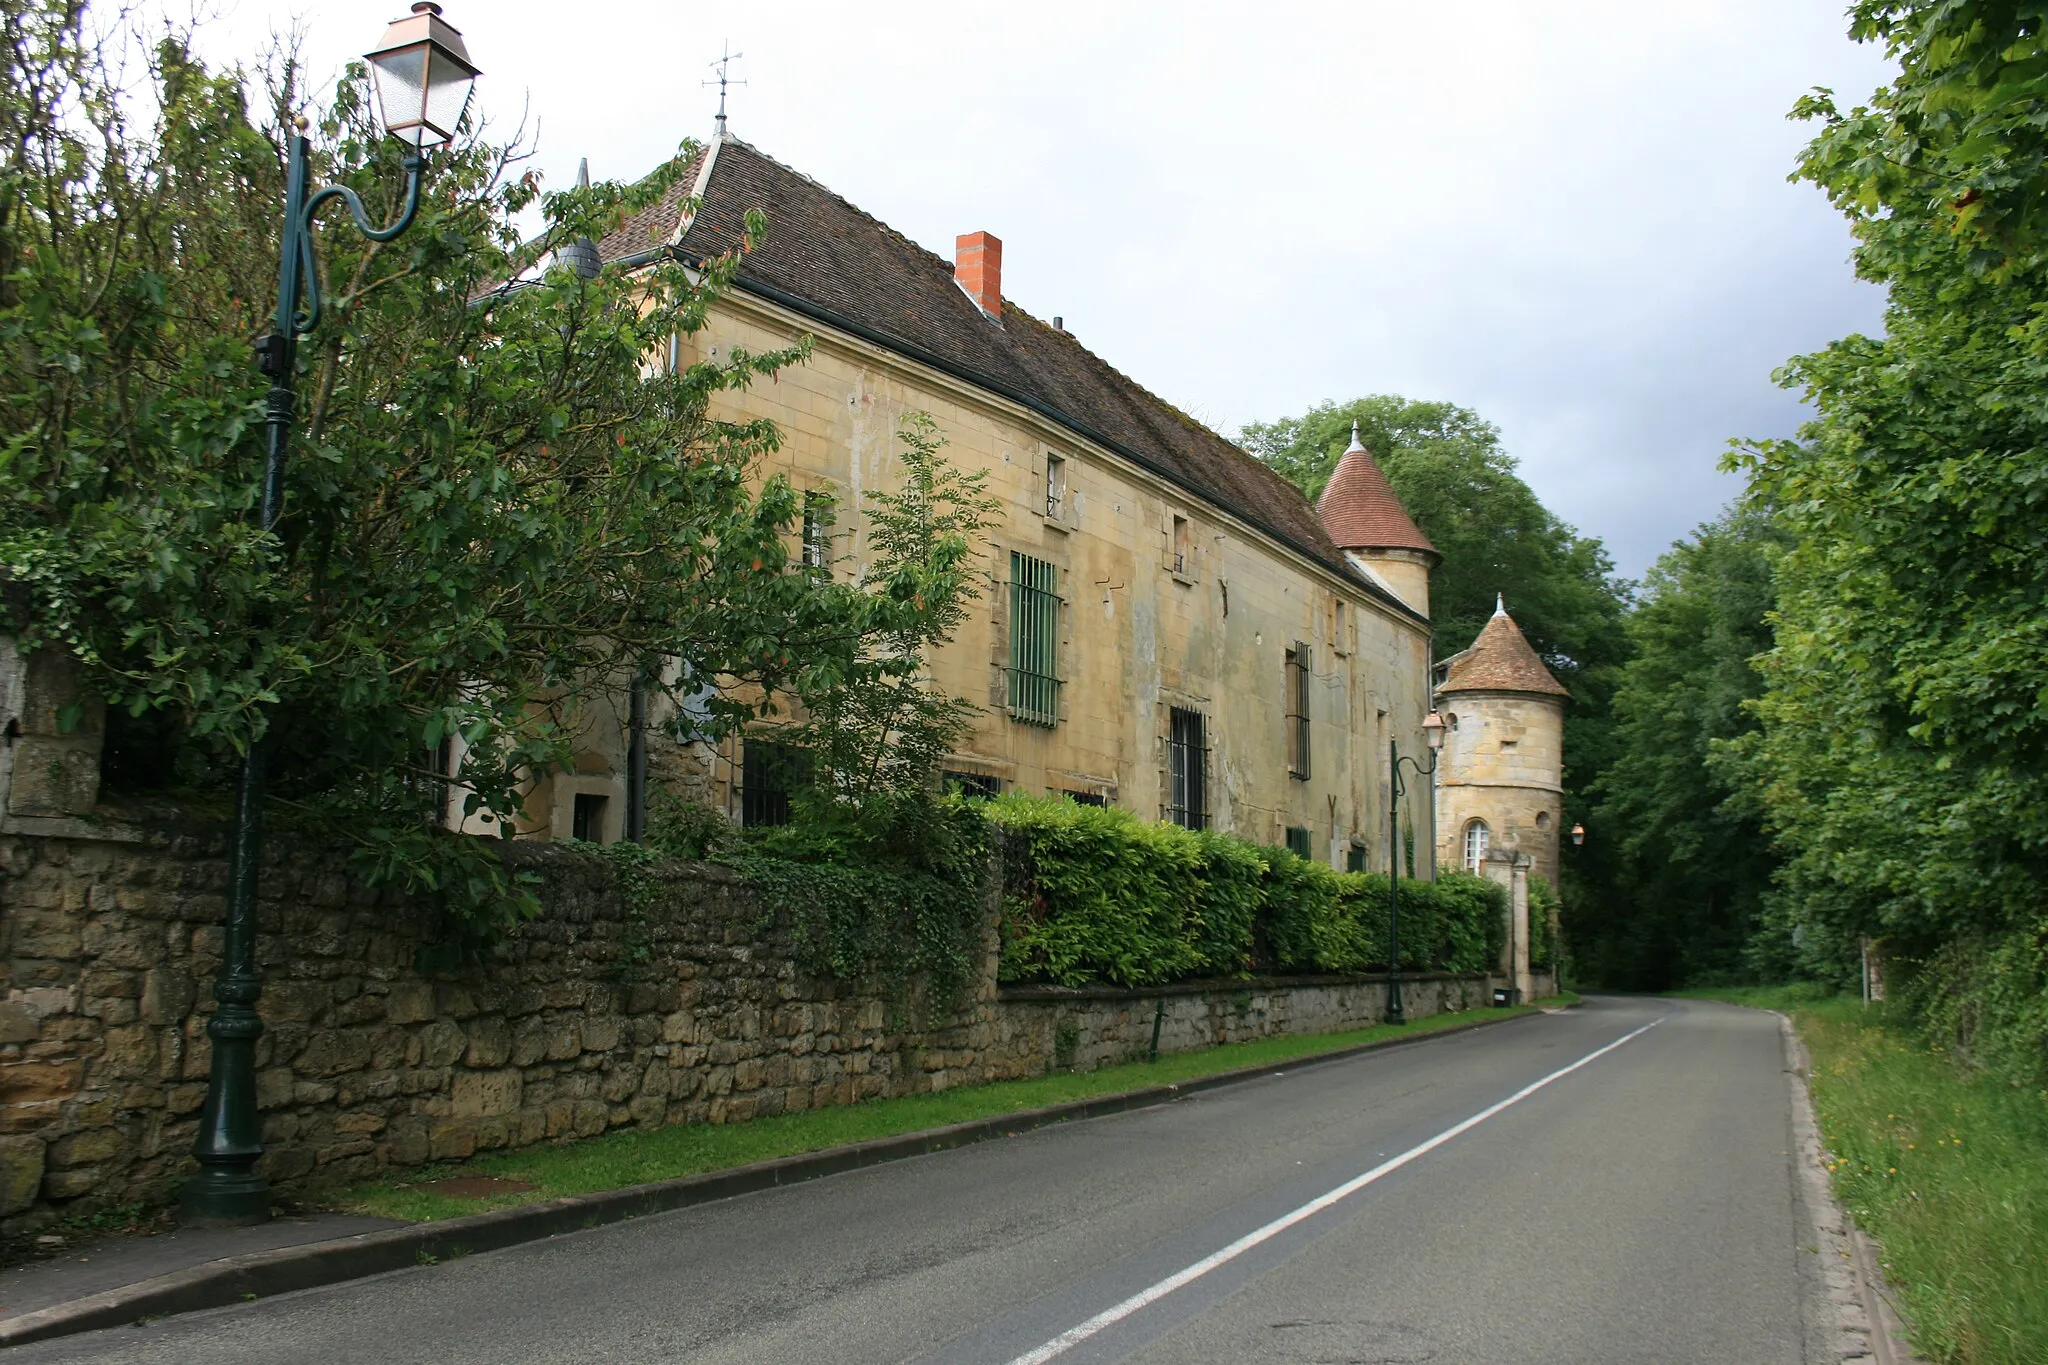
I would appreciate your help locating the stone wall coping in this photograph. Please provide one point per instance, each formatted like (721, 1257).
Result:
(1221, 985)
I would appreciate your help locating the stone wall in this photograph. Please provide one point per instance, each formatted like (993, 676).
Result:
(583, 1020)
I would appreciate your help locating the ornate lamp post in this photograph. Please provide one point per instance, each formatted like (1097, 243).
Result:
(1433, 734)
(423, 77)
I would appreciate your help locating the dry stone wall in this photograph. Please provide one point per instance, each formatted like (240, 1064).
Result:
(585, 1019)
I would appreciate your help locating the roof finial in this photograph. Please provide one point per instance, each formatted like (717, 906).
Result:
(726, 59)
(1500, 604)
(1355, 444)
(583, 174)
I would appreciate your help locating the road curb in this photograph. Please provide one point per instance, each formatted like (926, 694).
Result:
(261, 1274)
(1859, 1325)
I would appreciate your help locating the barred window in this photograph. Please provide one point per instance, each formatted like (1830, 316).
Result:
(1297, 711)
(971, 784)
(817, 543)
(769, 772)
(1187, 763)
(1034, 640)
(1055, 487)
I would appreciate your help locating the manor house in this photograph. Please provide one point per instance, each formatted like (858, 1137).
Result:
(1169, 626)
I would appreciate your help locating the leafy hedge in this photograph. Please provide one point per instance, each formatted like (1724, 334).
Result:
(1095, 894)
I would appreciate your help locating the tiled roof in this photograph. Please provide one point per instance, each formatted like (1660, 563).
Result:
(825, 256)
(1501, 660)
(1361, 511)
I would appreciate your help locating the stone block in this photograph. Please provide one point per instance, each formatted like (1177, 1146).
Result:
(481, 1093)
(21, 1173)
(409, 1002)
(592, 1118)
(600, 1033)
(457, 1002)
(446, 1141)
(330, 1052)
(442, 1043)
(18, 1023)
(71, 1184)
(274, 1087)
(490, 1043)
(564, 1040)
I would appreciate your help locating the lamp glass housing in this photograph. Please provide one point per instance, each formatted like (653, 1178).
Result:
(1578, 834)
(1433, 730)
(424, 77)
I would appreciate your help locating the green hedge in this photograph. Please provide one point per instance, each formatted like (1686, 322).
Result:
(1095, 894)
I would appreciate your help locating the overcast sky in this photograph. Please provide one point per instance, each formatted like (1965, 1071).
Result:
(1572, 217)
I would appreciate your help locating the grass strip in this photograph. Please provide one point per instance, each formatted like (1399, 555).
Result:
(1946, 1167)
(639, 1156)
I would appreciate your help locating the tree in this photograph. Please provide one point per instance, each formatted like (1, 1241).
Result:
(492, 507)
(883, 726)
(1905, 718)
(1690, 865)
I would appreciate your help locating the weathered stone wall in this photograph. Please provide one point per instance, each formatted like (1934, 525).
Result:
(583, 1020)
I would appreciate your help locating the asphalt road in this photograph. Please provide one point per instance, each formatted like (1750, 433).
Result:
(1640, 1206)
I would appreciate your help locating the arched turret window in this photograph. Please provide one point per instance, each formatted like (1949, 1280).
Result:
(1475, 845)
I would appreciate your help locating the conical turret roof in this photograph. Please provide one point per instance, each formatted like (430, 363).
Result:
(1360, 509)
(1501, 660)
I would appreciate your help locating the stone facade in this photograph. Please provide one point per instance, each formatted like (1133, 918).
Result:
(1502, 763)
(1170, 599)
(586, 1019)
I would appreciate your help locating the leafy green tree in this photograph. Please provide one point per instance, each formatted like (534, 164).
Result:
(1905, 721)
(1689, 865)
(883, 725)
(494, 503)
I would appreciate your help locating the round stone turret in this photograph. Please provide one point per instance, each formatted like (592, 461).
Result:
(1500, 781)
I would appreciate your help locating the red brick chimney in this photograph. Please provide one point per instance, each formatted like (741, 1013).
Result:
(978, 268)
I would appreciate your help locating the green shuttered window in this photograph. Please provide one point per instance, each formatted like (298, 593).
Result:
(1034, 640)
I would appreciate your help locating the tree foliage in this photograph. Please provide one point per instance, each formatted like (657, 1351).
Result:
(1905, 720)
(1678, 896)
(498, 501)
(884, 725)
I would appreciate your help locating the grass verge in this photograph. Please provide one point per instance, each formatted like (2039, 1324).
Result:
(1948, 1169)
(642, 1155)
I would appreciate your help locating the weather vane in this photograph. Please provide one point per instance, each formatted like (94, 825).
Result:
(720, 66)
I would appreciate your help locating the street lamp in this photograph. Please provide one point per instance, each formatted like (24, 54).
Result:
(423, 77)
(1433, 735)
(1578, 835)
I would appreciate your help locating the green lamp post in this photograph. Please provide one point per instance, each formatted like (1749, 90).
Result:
(423, 75)
(1433, 734)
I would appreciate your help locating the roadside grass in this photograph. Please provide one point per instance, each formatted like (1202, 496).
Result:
(1947, 1169)
(642, 1155)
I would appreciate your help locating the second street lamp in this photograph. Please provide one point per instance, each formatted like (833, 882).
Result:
(423, 76)
(1433, 735)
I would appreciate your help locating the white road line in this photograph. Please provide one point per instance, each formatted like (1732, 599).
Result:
(1074, 1336)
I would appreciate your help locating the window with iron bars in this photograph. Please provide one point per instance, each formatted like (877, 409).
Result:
(769, 772)
(1034, 640)
(1187, 766)
(817, 541)
(971, 784)
(1297, 711)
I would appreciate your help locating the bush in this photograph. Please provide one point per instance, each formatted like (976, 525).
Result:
(1094, 894)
